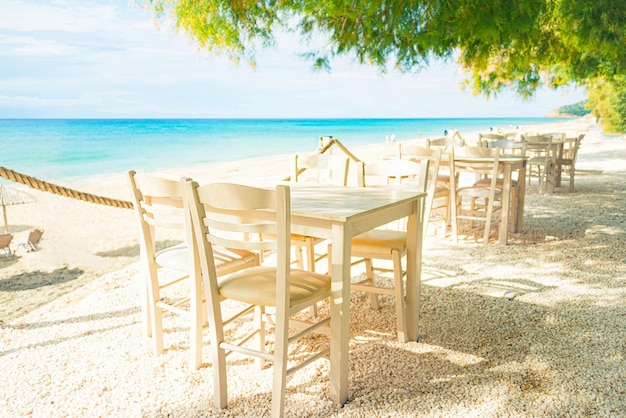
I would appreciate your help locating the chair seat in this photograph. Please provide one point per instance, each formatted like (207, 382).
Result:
(379, 241)
(226, 259)
(477, 192)
(257, 286)
(499, 183)
(175, 257)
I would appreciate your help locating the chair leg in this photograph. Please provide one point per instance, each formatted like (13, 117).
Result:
(259, 318)
(299, 257)
(280, 364)
(146, 311)
(197, 321)
(218, 359)
(513, 208)
(310, 260)
(399, 295)
(488, 222)
(369, 271)
(310, 253)
(455, 219)
(157, 330)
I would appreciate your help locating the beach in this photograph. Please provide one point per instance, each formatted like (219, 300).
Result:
(535, 328)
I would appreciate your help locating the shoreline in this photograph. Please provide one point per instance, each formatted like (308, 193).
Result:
(83, 241)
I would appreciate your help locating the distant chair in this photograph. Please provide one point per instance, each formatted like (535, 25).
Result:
(446, 142)
(316, 169)
(5, 245)
(475, 162)
(542, 160)
(566, 162)
(33, 240)
(436, 190)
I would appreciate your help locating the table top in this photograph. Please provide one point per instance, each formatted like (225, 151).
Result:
(339, 203)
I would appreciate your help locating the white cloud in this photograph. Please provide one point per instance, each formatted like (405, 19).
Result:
(92, 58)
(28, 45)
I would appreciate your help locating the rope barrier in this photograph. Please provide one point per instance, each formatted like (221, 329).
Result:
(44, 186)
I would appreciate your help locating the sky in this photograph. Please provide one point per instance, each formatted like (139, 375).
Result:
(108, 59)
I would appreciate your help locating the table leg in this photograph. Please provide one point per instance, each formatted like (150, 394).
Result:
(415, 233)
(340, 314)
(506, 205)
(521, 196)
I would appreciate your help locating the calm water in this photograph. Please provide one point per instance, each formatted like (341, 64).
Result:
(58, 149)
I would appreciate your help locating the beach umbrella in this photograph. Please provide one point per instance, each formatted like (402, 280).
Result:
(12, 196)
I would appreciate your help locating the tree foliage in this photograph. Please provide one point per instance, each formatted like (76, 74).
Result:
(607, 98)
(576, 109)
(519, 44)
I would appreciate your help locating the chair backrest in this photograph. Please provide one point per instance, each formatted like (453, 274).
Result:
(224, 214)
(506, 146)
(320, 168)
(420, 153)
(538, 145)
(490, 136)
(5, 240)
(394, 171)
(158, 205)
(479, 161)
(571, 146)
(558, 136)
(445, 142)
(35, 236)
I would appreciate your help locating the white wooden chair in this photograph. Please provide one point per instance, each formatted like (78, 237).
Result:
(485, 197)
(566, 161)
(445, 144)
(438, 200)
(385, 243)
(220, 213)
(158, 205)
(541, 162)
(506, 146)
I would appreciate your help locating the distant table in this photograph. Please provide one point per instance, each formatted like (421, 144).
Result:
(340, 213)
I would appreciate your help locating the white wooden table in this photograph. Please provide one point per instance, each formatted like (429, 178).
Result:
(340, 213)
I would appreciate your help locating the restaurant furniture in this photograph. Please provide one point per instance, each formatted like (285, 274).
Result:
(220, 213)
(386, 243)
(158, 207)
(483, 197)
(542, 151)
(438, 200)
(507, 147)
(566, 160)
(446, 142)
(338, 214)
(318, 169)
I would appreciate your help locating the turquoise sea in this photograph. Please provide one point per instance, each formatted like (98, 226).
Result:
(60, 149)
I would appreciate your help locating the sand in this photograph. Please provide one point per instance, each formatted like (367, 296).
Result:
(535, 328)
